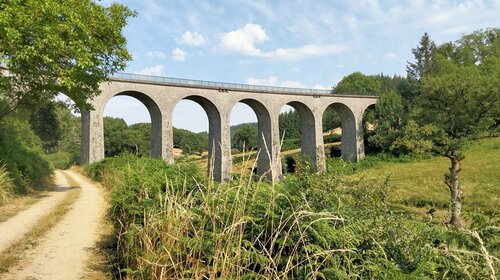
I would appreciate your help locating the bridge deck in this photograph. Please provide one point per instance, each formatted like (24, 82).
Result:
(214, 85)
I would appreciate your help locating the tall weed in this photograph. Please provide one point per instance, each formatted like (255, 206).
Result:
(6, 186)
(172, 223)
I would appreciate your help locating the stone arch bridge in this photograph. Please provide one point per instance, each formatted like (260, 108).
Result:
(161, 94)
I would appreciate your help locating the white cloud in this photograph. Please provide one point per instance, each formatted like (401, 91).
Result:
(243, 41)
(178, 55)
(191, 39)
(152, 71)
(305, 51)
(273, 81)
(156, 54)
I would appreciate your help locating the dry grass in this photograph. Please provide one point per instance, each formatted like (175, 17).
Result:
(17, 204)
(14, 253)
(100, 265)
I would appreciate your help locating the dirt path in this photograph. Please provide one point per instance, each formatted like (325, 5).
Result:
(17, 226)
(64, 250)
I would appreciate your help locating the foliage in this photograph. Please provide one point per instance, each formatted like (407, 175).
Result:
(121, 138)
(414, 139)
(424, 54)
(21, 153)
(171, 225)
(47, 126)
(245, 138)
(460, 100)
(289, 125)
(358, 83)
(190, 142)
(115, 141)
(388, 120)
(52, 46)
(331, 119)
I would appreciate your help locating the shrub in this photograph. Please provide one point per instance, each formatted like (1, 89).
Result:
(63, 160)
(20, 151)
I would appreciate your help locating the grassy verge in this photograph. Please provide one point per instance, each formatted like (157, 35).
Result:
(15, 252)
(101, 265)
(418, 184)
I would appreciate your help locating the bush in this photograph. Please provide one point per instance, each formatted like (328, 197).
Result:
(20, 151)
(63, 160)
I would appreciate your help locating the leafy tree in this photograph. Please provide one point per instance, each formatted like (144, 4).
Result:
(289, 124)
(116, 141)
(246, 138)
(358, 83)
(46, 125)
(71, 130)
(139, 136)
(190, 142)
(56, 46)
(331, 119)
(461, 100)
(388, 120)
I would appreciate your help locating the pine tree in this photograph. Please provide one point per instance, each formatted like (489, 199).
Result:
(424, 59)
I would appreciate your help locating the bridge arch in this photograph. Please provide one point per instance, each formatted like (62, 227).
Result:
(307, 128)
(264, 134)
(349, 125)
(218, 164)
(154, 113)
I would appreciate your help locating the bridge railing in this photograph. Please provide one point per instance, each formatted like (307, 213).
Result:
(215, 85)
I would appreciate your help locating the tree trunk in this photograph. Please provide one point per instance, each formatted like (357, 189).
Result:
(452, 180)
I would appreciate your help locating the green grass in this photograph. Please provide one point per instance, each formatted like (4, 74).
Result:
(419, 183)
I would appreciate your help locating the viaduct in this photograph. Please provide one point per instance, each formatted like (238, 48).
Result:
(161, 94)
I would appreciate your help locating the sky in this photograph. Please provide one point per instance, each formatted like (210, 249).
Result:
(292, 43)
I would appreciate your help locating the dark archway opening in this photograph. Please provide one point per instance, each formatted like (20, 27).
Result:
(369, 125)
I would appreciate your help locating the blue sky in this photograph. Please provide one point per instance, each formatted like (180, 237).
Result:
(294, 43)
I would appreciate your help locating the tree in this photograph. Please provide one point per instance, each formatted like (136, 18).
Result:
(56, 46)
(388, 120)
(289, 124)
(358, 83)
(116, 141)
(139, 135)
(424, 59)
(46, 125)
(246, 138)
(331, 119)
(460, 101)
